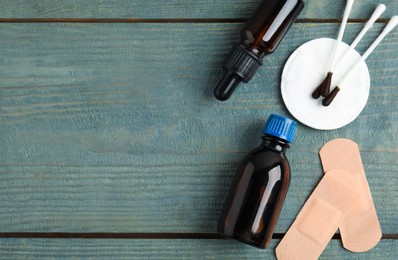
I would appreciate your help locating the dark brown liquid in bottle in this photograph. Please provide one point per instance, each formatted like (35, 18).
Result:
(265, 29)
(257, 195)
(259, 36)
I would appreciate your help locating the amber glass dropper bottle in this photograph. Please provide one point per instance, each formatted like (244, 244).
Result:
(259, 36)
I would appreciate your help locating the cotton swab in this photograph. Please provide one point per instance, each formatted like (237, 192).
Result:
(391, 25)
(376, 14)
(324, 88)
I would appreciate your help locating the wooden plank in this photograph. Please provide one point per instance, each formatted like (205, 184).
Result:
(113, 127)
(168, 249)
(163, 9)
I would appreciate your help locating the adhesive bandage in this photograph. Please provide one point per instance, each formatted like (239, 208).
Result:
(360, 230)
(320, 217)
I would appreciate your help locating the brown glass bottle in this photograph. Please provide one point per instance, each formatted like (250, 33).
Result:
(259, 36)
(259, 189)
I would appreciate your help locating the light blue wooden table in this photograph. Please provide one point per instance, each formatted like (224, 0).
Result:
(112, 145)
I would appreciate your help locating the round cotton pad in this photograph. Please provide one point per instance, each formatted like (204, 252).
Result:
(305, 70)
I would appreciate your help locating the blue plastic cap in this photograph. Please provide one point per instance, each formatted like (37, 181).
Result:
(281, 127)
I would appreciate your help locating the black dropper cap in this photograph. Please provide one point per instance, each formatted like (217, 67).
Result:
(241, 65)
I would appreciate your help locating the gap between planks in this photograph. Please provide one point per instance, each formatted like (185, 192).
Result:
(99, 235)
(138, 20)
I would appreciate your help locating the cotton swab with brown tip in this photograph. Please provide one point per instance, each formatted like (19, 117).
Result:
(391, 25)
(324, 88)
(376, 14)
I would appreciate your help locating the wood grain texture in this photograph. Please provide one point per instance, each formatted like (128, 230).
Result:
(170, 9)
(113, 127)
(168, 249)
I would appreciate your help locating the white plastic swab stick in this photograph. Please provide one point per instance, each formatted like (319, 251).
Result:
(391, 25)
(376, 14)
(323, 88)
(347, 12)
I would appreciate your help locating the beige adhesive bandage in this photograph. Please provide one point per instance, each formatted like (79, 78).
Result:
(320, 217)
(360, 230)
